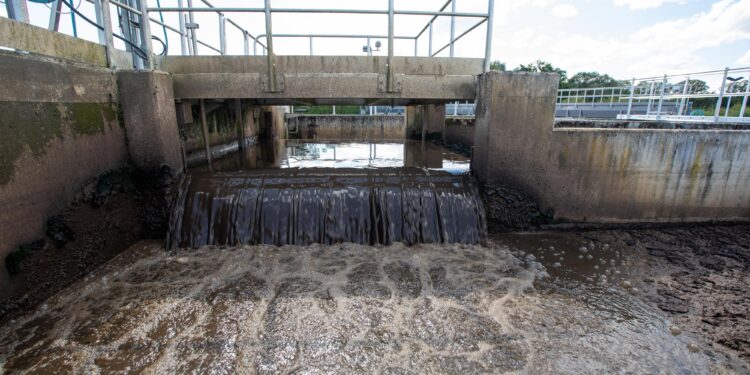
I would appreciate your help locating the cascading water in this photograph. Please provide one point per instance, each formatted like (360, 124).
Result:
(326, 205)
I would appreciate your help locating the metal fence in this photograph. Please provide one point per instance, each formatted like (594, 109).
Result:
(137, 36)
(718, 96)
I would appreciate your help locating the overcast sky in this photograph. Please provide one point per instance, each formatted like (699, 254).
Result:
(624, 38)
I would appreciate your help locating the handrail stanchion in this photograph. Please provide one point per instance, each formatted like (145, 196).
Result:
(148, 48)
(630, 99)
(109, 41)
(744, 100)
(311, 46)
(389, 70)
(222, 34)
(183, 33)
(429, 51)
(453, 26)
(721, 96)
(684, 96)
(193, 37)
(661, 98)
(246, 40)
(488, 41)
(269, 47)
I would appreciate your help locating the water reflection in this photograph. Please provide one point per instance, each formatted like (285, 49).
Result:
(343, 154)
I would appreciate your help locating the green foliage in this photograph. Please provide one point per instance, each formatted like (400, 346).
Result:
(497, 65)
(593, 79)
(544, 67)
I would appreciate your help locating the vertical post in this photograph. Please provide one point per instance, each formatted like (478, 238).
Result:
(684, 95)
(334, 109)
(17, 10)
(98, 12)
(189, 38)
(146, 35)
(255, 47)
(416, 47)
(455, 109)
(222, 34)
(630, 99)
(193, 38)
(429, 50)
(109, 41)
(311, 45)
(369, 49)
(54, 15)
(650, 98)
(453, 26)
(744, 100)
(488, 46)
(269, 41)
(389, 70)
(204, 128)
(661, 97)
(246, 39)
(721, 95)
(183, 34)
(239, 124)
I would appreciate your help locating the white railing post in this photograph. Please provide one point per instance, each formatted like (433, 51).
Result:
(661, 98)
(717, 112)
(453, 26)
(148, 49)
(744, 100)
(311, 46)
(183, 32)
(193, 37)
(17, 10)
(488, 40)
(246, 40)
(650, 98)
(429, 50)
(630, 99)
(391, 19)
(222, 34)
(684, 96)
(109, 41)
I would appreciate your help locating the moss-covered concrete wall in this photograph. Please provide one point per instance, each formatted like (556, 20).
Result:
(59, 127)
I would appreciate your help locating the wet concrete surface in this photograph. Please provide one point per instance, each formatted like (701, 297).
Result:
(352, 309)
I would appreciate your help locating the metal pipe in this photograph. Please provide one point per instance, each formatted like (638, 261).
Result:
(684, 93)
(246, 43)
(369, 48)
(191, 51)
(661, 98)
(488, 39)
(269, 40)
(311, 46)
(193, 38)
(429, 52)
(349, 36)
(183, 37)
(329, 11)
(390, 46)
(461, 36)
(17, 10)
(453, 27)
(126, 7)
(54, 15)
(744, 100)
(721, 95)
(146, 36)
(222, 34)
(416, 47)
(109, 41)
(650, 97)
(98, 13)
(433, 19)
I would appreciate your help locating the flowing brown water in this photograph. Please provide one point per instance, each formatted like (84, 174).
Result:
(373, 206)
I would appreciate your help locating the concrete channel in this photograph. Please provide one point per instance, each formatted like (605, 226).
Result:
(181, 220)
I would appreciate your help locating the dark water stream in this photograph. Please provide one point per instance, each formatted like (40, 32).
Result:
(328, 193)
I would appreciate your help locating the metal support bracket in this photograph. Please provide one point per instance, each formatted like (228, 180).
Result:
(383, 84)
(266, 85)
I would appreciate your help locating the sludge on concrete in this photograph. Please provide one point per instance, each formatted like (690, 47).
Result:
(335, 309)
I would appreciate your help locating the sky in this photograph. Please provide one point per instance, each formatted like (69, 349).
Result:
(623, 38)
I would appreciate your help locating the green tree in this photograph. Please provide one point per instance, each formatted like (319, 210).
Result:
(497, 65)
(696, 86)
(593, 79)
(544, 67)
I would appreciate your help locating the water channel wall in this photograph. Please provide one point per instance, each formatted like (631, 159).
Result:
(600, 174)
(335, 127)
(63, 123)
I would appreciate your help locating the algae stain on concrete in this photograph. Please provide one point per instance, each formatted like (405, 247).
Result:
(25, 125)
(32, 125)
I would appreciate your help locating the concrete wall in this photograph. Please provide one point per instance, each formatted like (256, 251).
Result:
(429, 119)
(59, 126)
(460, 130)
(605, 175)
(345, 127)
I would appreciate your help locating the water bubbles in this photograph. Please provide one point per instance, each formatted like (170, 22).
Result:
(626, 284)
(675, 330)
(589, 257)
(583, 249)
(693, 348)
(557, 265)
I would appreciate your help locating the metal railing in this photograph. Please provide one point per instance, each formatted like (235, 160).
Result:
(682, 97)
(135, 31)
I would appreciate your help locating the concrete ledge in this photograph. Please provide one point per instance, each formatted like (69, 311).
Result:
(624, 124)
(320, 64)
(316, 87)
(25, 37)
